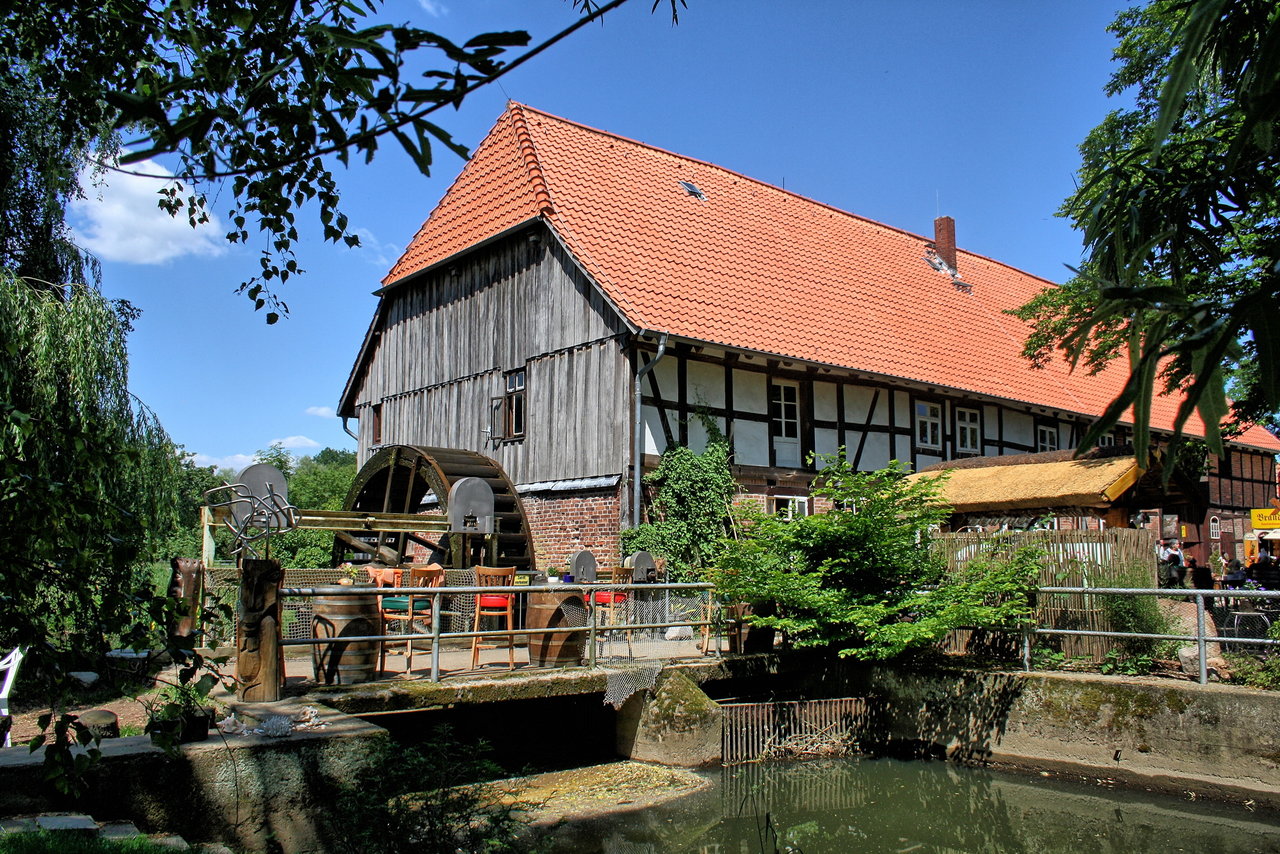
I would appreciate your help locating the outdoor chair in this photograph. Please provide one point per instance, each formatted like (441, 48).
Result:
(9, 667)
(409, 609)
(501, 605)
(611, 605)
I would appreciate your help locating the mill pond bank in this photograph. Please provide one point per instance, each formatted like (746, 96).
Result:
(1174, 746)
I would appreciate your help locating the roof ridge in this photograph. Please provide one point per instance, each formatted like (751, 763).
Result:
(529, 154)
(707, 163)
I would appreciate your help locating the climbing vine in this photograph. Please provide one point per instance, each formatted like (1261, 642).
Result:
(690, 505)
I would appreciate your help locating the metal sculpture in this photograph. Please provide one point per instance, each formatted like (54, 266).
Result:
(254, 508)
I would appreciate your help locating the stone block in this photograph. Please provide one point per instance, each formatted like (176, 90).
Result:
(17, 825)
(118, 830)
(673, 724)
(67, 824)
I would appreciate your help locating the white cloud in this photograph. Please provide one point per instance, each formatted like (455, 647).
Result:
(232, 461)
(294, 443)
(379, 254)
(322, 411)
(434, 8)
(120, 221)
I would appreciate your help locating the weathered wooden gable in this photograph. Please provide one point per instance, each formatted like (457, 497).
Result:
(446, 339)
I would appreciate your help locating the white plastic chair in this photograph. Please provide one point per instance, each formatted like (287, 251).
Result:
(8, 666)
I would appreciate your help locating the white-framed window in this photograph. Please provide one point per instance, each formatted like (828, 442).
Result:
(1047, 437)
(928, 424)
(507, 415)
(784, 421)
(789, 506)
(1106, 440)
(1215, 528)
(968, 431)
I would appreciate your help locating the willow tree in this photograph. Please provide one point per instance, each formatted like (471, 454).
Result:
(87, 474)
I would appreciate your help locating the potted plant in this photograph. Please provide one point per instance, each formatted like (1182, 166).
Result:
(182, 712)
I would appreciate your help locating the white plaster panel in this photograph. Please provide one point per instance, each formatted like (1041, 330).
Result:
(655, 441)
(923, 460)
(706, 385)
(750, 442)
(902, 413)
(1019, 427)
(825, 442)
(902, 445)
(824, 401)
(750, 393)
(698, 433)
(875, 452)
(991, 422)
(667, 374)
(856, 402)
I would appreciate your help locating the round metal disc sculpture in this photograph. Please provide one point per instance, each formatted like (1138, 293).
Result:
(259, 506)
(415, 479)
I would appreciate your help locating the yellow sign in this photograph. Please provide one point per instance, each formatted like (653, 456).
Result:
(1265, 519)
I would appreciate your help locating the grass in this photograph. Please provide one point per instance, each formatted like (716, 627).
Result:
(49, 842)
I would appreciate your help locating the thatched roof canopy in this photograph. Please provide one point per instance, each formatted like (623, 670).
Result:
(1032, 481)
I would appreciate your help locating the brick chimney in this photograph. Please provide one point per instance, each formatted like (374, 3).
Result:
(944, 240)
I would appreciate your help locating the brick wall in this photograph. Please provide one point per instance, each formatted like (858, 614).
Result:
(565, 522)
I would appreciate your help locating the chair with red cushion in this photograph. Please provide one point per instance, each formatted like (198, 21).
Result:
(612, 604)
(495, 605)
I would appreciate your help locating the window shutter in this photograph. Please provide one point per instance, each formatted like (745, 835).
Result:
(497, 418)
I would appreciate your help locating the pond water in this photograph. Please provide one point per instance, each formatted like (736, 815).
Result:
(883, 805)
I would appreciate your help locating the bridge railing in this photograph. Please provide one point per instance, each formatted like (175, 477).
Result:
(603, 615)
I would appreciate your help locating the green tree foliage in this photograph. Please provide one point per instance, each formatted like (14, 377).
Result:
(862, 578)
(1178, 207)
(87, 474)
(259, 98)
(692, 495)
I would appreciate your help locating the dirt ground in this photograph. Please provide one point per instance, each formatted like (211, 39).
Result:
(131, 712)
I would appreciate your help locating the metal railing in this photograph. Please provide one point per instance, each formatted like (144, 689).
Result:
(709, 613)
(1201, 638)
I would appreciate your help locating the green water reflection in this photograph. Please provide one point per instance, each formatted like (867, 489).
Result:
(920, 808)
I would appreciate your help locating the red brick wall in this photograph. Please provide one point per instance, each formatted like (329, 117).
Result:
(566, 522)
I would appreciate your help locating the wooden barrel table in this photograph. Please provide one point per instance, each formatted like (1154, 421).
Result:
(548, 610)
(349, 662)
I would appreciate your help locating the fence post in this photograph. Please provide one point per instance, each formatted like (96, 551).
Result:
(436, 617)
(1200, 638)
(1026, 650)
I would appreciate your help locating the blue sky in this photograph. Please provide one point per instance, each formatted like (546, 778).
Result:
(896, 111)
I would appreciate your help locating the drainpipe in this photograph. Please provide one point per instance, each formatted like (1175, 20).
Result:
(347, 430)
(638, 458)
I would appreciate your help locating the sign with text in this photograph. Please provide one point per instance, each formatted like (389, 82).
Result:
(1265, 519)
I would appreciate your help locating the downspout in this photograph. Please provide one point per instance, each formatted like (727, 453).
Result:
(347, 430)
(638, 430)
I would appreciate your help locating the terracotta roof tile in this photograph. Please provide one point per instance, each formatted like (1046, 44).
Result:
(756, 267)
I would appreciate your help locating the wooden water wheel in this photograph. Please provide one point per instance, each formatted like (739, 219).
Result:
(413, 479)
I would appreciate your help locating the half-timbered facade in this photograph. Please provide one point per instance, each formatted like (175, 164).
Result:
(566, 263)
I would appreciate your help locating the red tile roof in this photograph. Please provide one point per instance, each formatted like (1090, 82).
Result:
(755, 267)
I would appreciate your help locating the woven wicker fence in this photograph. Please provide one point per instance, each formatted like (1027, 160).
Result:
(1115, 557)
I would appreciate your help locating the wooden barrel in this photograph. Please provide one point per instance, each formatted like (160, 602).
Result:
(346, 663)
(550, 611)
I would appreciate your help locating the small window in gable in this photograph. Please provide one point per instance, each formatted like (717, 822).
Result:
(968, 431)
(507, 413)
(1047, 437)
(928, 424)
(376, 429)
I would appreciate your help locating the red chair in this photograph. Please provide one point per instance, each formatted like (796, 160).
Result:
(612, 604)
(494, 605)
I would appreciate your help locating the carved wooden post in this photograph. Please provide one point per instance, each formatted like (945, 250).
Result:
(184, 586)
(258, 673)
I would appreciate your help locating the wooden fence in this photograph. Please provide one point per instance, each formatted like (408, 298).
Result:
(1115, 557)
